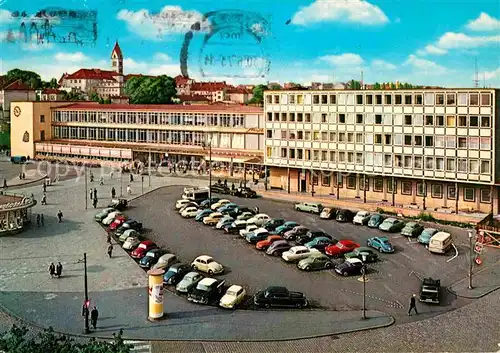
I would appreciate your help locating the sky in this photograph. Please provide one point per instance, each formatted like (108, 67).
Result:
(425, 42)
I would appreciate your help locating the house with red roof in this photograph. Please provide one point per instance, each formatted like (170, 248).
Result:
(51, 94)
(12, 92)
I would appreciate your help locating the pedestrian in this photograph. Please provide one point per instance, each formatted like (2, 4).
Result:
(94, 314)
(38, 220)
(44, 186)
(129, 190)
(59, 269)
(91, 193)
(111, 175)
(113, 192)
(108, 240)
(413, 305)
(24, 176)
(95, 202)
(91, 177)
(256, 209)
(44, 199)
(131, 177)
(20, 176)
(60, 216)
(95, 193)
(5, 183)
(52, 270)
(101, 181)
(41, 219)
(110, 250)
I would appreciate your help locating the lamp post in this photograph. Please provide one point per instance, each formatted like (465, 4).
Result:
(86, 328)
(209, 143)
(142, 179)
(363, 271)
(471, 255)
(86, 190)
(149, 169)
(121, 182)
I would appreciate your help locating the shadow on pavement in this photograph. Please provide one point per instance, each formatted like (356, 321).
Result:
(51, 228)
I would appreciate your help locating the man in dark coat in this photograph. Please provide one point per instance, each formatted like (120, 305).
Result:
(110, 249)
(413, 305)
(59, 216)
(113, 192)
(59, 269)
(95, 193)
(94, 314)
(52, 270)
(95, 202)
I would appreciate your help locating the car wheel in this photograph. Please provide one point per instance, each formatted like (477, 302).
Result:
(299, 305)
(210, 272)
(307, 268)
(267, 305)
(345, 274)
(194, 267)
(328, 265)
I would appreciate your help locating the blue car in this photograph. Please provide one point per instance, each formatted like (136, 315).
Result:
(382, 244)
(208, 202)
(285, 227)
(426, 235)
(205, 213)
(227, 207)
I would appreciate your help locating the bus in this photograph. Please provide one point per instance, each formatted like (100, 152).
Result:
(196, 194)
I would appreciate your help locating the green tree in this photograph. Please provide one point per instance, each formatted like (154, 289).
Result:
(393, 86)
(275, 87)
(16, 340)
(28, 77)
(93, 96)
(353, 84)
(151, 90)
(258, 94)
(376, 85)
(73, 96)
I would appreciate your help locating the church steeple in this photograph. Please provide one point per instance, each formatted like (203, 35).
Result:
(117, 59)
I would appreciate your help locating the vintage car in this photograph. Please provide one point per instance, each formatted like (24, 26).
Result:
(234, 296)
(103, 214)
(189, 280)
(175, 273)
(412, 229)
(315, 262)
(328, 213)
(206, 291)
(165, 261)
(151, 257)
(279, 297)
(205, 263)
(351, 266)
(131, 243)
(392, 225)
(128, 233)
(118, 204)
(429, 290)
(297, 253)
(362, 253)
(382, 244)
(361, 218)
(142, 249)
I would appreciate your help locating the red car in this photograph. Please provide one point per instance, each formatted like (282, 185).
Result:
(117, 223)
(341, 248)
(142, 249)
(264, 244)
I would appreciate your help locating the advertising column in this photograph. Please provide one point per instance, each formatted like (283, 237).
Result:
(155, 294)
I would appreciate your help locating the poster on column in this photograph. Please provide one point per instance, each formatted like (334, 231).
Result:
(157, 293)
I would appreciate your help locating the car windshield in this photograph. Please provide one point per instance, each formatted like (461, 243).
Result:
(172, 270)
(210, 261)
(150, 254)
(232, 293)
(202, 287)
(384, 241)
(143, 246)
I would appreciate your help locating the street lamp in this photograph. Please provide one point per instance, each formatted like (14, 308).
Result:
(86, 191)
(363, 272)
(149, 169)
(142, 178)
(209, 143)
(471, 255)
(86, 328)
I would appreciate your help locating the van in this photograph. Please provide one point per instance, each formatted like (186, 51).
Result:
(196, 194)
(311, 207)
(440, 243)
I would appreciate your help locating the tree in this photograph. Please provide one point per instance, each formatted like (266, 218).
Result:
(93, 96)
(393, 86)
(28, 77)
(376, 85)
(16, 340)
(353, 84)
(73, 96)
(275, 87)
(258, 94)
(151, 90)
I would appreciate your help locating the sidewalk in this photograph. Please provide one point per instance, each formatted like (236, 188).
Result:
(484, 281)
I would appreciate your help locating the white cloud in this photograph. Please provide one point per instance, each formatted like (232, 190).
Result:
(36, 46)
(491, 75)
(347, 59)
(77, 57)
(424, 66)
(130, 65)
(382, 65)
(452, 40)
(165, 69)
(162, 57)
(432, 49)
(484, 23)
(6, 17)
(356, 11)
(155, 26)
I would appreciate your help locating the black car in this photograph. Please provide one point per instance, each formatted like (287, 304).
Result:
(274, 223)
(151, 257)
(233, 229)
(175, 273)
(235, 212)
(344, 216)
(279, 297)
(206, 203)
(207, 291)
(130, 224)
(302, 239)
(278, 247)
(349, 267)
(220, 189)
(244, 192)
(119, 204)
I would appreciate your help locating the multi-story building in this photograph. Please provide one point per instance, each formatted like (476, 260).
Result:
(435, 149)
(123, 133)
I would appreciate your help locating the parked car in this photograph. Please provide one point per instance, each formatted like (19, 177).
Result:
(392, 225)
(273, 223)
(249, 229)
(151, 257)
(340, 248)
(311, 207)
(103, 214)
(205, 263)
(131, 243)
(119, 204)
(315, 262)
(206, 291)
(382, 244)
(165, 261)
(220, 203)
(363, 253)
(245, 216)
(264, 244)
(142, 249)
(440, 243)
(426, 235)
(181, 203)
(278, 247)
(244, 192)
(328, 213)
(189, 212)
(189, 280)
(227, 207)
(128, 233)
(259, 219)
(201, 215)
(375, 220)
(257, 235)
(344, 216)
(208, 202)
(111, 217)
(226, 220)
(295, 232)
(279, 297)
(189, 204)
(116, 223)
(240, 210)
(412, 229)
(235, 227)
(234, 296)
(220, 189)
(319, 243)
(310, 235)
(351, 266)
(429, 290)
(175, 273)
(127, 225)
(297, 253)
(212, 219)
(361, 218)
(285, 227)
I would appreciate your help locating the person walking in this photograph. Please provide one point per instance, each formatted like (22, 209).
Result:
(131, 177)
(129, 190)
(95, 202)
(110, 250)
(113, 192)
(59, 216)
(44, 187)
(38, 220)
(41, 219)
(24, 176)
(108, 240)
(95, 193)
(94, 314)
(413, 305)
(44, 199)
(52, 270)
(101, 181)
(91, 194)
(59, 269)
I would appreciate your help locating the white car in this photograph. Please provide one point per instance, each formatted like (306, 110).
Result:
(361, 217)
(189, 212)
(181, 203)
(220, 203)
(234, 295)
(249, 229)
(240, 223)
(213, 219)
(111, 217)
(205, 263)
(131, 243)
(165, 261)
(245, 216)
(259, 219)
(298, 253)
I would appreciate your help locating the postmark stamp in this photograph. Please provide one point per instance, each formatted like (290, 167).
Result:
(235, 45)
(53, 25)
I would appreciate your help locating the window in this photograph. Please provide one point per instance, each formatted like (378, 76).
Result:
(341, 157)
(283, 116)
(291, 99)
(369, 138)
(469, 194)
(300, 135)
(408, 99)
(429, 141)
(315, 180)
(324, 100)
(359, 99)
(359, 118)
(462, 142)
(398, 139)
(439, 120)
(429, 120)
(316, 135)
(291, 153)
(450, 121)
(407, 140)
(450, 99)
(291, 117)
(350, 137)
(378, 119)
(485, 99)
(364, 179)
(462, 165)
(389, 185)
(407, 161)
(359, 137)
(439, 99)
(406, 188)
(292, 135)
(398, 160)
(462, 99)
(316, 99)
(269, 134)
(418, 162)
(437, 191)
(474, 143)
(42, 135)
(342, 118)
(462, 120)
(307, 135)
(378, 138)
(429, 163)
(439, 141)
(418, 140)
(369, 119)
(418, 119)
(300, 117)
(283, 152)
(276, 116)
(452, 192)
(326, 180)
(378, 99)
(42, 118)
(283, 134)
(339, 180)
(333, 99)
(451, 142)
(341, 137)
(277, 99)
(398, 119)
(387, 119)
(407, 119)
(450, 164)
(421, 189)
(300, 153)
(350, 157)
(473, 121)
(388, 139)
(439, 163)
(324, 136)
(324, 156)
(369, 99)
(351, 182)
(474, 166)
(418, 99)
(398, 99)
(333, 137)
(324, 118)
(388, 160)
(359, 158)
(333, 156)
(474, 99)
(429, 98)
(485, 167)
(485, 196)
(378, 185)
(307, 155)
(485, 121)
(269, 115)
(388, 99)
(308, 117)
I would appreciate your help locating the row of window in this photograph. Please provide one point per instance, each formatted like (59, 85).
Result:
(384, 119)
(405, 187)
(460, 165)
(81, 156)
(440, 141)
(163, 118)
(386, 98)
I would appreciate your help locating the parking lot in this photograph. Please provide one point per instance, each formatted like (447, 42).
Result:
(391, 281)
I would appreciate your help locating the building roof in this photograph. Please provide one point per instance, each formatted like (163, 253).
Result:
(240, 90)
(92, 74)
(192, 98)
(209, 86)
(52, 91)
(17, 86)
(239, 108)
(118, 51)
(181, 80)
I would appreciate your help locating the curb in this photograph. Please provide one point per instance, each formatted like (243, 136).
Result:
(478, 296)
(20, 186)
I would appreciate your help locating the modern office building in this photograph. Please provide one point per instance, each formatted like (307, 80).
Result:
(123, 133)
(434, 149)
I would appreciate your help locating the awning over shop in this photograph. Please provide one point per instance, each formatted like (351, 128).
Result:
(234, 159)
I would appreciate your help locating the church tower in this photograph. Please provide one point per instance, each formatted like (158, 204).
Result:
(117, 59)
